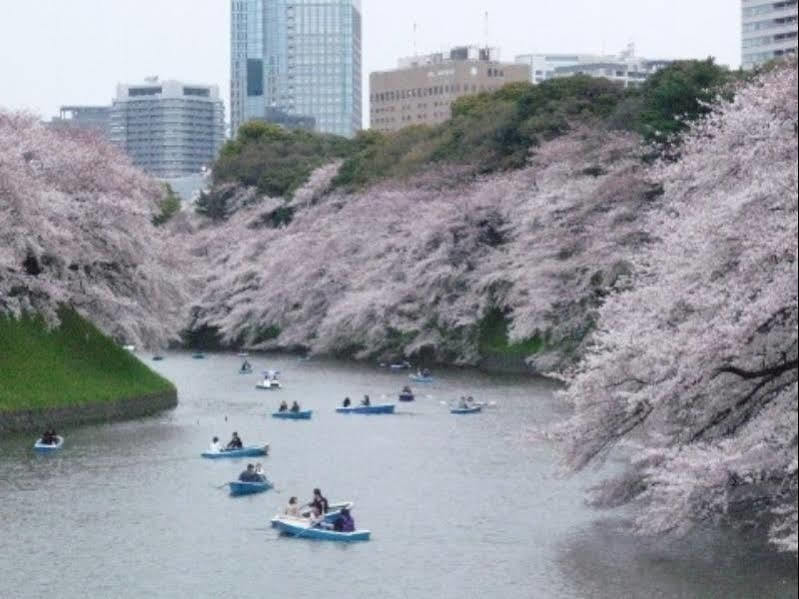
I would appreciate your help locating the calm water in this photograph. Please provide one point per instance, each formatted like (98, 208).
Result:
(458, 506)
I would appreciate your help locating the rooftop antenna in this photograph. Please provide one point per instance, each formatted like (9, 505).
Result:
(485, 30)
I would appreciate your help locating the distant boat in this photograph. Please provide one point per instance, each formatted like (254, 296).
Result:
(469, 410)
(244, 452)
(333, 511)
(45, 447)
(421, 378)
(242, 354)
(381, 408)
(301, 527)
(238, 487)
(289, 415)
(268, 385)
(198, 355)
(400, 366)
(406, 395)
(158, 358)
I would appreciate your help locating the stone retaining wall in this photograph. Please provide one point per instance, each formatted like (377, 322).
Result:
(123, 409)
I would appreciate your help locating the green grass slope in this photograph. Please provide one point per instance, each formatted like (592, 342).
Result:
(70, 365)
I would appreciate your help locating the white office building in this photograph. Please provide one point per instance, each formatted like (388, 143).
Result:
(625, 67)
(768, 30)
(168, 128)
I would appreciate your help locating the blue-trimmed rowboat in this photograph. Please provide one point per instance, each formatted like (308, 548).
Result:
(406, 397)
(238, 487)
(300, 527)
(471, 410)
(244, 452)
(419, 378)
(289, 415)
(333, 511)
(44, 447)
(380, 408)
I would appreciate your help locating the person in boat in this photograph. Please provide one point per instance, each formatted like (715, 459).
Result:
(283, 407)
(346, 403)
(365, 401)
(246, 366)
(295, 407)
(406, 390)
(319, 502)
(425, 373)
(259, 472)
(235, 442)
(344, 523)
(50, 437)
(216, 446)
(463, 403)
(249, 475)
(293, 508)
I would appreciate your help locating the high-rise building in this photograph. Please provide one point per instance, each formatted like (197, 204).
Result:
(422, 89)
(168, 128)
(625, 67)
(300, 58)
(96, 119)
(768, 30)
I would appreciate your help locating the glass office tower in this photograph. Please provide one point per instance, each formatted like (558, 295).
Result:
(297, 57)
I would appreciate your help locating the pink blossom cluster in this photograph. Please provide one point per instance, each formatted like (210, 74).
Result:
(693, 368)
(424, 260)
(75, 228)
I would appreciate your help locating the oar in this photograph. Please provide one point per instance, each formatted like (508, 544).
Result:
(222, 486)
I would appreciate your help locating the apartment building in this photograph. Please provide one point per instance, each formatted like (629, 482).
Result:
(422, 89)
(768, 30)
(168, 128)
(96, 119)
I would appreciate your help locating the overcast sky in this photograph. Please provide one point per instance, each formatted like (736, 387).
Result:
(55, 52)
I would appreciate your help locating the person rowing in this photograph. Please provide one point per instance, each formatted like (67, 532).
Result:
(235, 442)
(295, 407)
(249, 475)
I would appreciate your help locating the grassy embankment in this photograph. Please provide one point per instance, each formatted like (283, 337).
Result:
(71, 365)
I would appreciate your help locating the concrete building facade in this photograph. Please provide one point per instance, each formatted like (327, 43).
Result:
(168, 128)
(768, 30)
(300, 58)
(625, 67)
(422, 89)
(96, 119)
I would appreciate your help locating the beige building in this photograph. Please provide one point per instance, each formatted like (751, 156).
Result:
(422, 89)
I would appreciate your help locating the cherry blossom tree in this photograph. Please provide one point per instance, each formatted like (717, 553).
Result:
(75, 228)
(693, 369)
(411, 266)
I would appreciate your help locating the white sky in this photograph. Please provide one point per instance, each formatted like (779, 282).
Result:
(57, 52)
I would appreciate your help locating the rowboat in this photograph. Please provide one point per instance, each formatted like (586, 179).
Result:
(301, 527)
(406, 396)
(244, 452)
(381, 408)
(198, 356)
(238, 487)
(420, 378)
(44, 447)
(399, 366)
(158, 358)
(289, 415)
(470, 410)
(269, 384)
(242, 354)
(333, 511)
